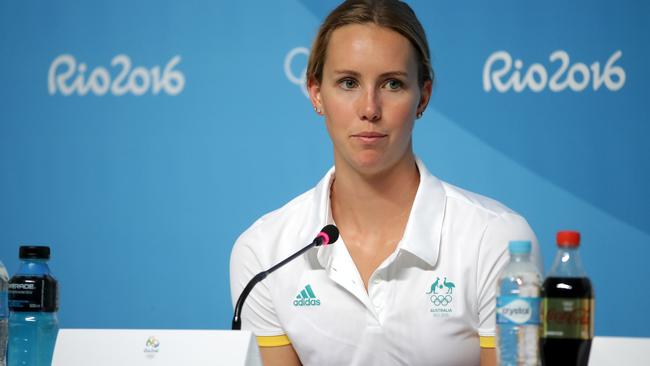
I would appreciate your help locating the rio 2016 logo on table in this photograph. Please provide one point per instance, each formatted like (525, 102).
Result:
(576, 77)
(67, 77)
(152, 345)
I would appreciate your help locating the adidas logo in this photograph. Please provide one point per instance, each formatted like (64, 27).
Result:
(306, 297)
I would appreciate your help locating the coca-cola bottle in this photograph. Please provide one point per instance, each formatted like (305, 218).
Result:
(567, 307)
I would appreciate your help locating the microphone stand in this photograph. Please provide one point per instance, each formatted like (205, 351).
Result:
(236, 320)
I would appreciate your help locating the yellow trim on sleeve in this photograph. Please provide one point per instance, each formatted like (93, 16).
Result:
(273, 341)
(487, 342)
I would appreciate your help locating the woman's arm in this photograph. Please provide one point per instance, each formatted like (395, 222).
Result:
(488, 357)
(286, 355)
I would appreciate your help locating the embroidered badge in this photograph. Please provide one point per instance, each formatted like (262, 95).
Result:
(441, 296)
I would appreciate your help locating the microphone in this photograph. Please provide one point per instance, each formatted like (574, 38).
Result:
(328, 235)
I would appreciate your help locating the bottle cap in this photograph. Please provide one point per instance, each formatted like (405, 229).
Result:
(519, 246)
(568, 239)
(34, 252)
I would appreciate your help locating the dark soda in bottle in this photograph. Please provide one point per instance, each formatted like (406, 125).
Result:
(567, 307)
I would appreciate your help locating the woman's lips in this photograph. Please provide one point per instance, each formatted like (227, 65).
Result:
(369, 137)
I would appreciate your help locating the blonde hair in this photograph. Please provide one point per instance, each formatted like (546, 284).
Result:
(391, 14)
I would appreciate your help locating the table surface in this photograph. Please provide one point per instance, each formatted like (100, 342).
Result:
(621, 351)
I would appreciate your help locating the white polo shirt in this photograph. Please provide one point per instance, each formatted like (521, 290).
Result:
(431, 302)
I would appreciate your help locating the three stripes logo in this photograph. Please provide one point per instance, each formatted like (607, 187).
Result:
(306, 297)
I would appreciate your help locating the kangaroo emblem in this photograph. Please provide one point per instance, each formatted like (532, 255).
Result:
(434, 285)
(449, 285)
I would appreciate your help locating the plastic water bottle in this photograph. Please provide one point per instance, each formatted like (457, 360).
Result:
(4, 313)
(33, 303)
(518, 306)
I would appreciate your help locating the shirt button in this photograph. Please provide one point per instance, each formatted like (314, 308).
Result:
(376, 281)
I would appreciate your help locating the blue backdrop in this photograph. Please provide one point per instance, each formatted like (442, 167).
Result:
(139, 139)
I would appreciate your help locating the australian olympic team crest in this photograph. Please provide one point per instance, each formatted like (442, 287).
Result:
(441, 296)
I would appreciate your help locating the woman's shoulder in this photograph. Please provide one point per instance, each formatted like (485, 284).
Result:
(474, 201)
(294, 210)
(495, 223)
(292, 223)
(458, 198)
(483, 213)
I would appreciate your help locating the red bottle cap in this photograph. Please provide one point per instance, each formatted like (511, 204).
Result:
(570, 239)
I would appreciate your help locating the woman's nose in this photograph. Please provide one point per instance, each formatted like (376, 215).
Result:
(370, 106)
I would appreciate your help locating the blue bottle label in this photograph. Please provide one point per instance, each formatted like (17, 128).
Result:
(513, 309)
(4, 311)
(33, 293)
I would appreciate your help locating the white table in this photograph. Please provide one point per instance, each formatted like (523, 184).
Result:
(620, 351)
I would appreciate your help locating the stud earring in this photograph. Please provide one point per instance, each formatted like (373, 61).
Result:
(317, 110)
(419, 115)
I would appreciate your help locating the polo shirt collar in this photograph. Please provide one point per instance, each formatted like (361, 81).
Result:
(423, 228)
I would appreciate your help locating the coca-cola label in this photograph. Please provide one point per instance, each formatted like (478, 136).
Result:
(512, 309)
(568, 318)
(33, 293)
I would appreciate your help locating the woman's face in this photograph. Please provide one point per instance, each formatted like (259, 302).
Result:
(369, 95)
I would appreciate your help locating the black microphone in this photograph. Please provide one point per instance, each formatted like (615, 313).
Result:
(328, 235)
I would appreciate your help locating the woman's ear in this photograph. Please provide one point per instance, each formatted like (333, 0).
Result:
(313, 87)
(425, 95)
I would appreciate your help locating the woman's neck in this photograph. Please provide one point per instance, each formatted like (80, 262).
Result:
(368, 203)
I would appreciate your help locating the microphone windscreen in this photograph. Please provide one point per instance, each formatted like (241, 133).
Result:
(332, 233)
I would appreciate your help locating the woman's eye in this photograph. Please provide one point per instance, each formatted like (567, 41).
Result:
(348, 83)
(394, 84)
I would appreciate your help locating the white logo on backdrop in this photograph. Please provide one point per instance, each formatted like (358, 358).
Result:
(577, 76)
(300, 77)
(67, 77)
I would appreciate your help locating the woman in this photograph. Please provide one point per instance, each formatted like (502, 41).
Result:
(412, 279)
